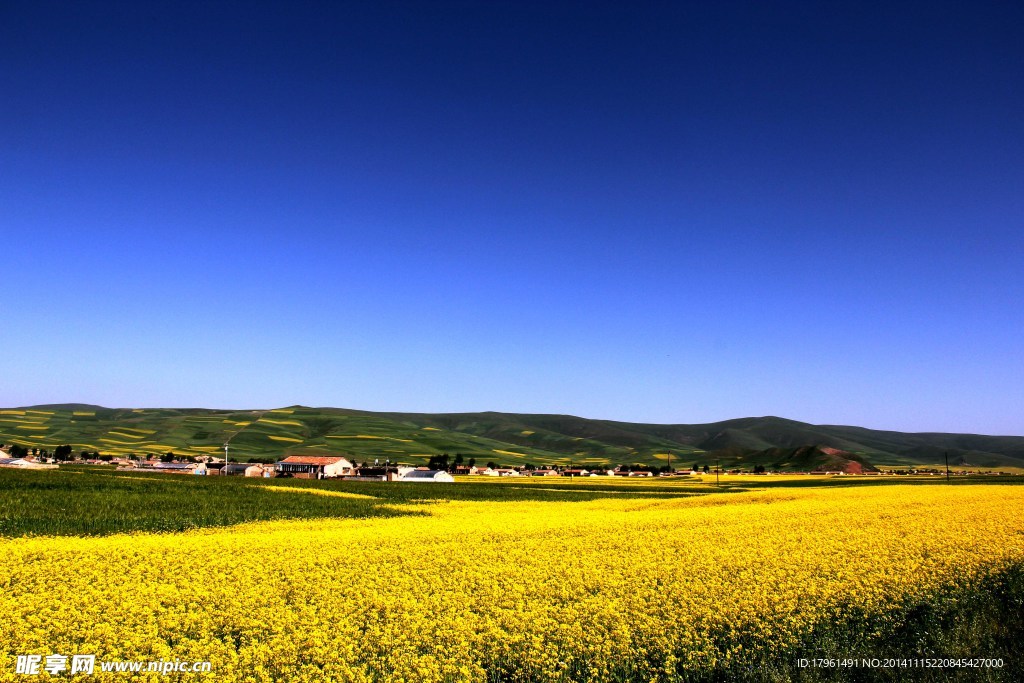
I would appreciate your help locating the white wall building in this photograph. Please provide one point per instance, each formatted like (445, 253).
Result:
(437, 476)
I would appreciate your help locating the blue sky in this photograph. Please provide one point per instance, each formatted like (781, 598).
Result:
(661, 212)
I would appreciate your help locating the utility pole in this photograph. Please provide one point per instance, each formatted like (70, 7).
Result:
(225, 470)
(947, 466)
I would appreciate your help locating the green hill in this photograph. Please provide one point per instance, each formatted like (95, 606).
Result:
(505, 438)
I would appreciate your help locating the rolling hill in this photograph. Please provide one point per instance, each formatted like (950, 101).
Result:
(505, 438)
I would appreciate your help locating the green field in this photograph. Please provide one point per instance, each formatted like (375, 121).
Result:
(97, 500)
(89, 500)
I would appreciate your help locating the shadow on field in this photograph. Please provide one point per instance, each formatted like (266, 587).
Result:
(94, 500)
(98, 503)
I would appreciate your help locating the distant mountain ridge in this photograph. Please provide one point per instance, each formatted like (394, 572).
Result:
(504, 438)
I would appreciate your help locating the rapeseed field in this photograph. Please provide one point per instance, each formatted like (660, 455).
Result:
(612, 589)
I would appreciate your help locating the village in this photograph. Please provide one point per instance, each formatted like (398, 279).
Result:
(322, 467)
(305, 466)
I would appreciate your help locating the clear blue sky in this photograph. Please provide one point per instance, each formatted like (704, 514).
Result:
(662, 212)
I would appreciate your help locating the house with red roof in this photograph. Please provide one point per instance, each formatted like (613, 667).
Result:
(314, 467)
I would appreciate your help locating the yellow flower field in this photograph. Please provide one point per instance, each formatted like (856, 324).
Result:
(478, 591)
(291, 423)
(501, 452)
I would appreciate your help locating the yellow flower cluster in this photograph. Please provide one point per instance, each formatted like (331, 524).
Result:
(477, 591)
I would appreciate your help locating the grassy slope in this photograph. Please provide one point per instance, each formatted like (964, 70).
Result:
(505, 438)
(253, 434)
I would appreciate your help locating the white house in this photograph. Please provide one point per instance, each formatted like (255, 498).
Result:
(508, 472)
(576, 472)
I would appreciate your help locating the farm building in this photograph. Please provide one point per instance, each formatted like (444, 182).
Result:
(576, 473)
(508, 472)
(385, 473)
(314, 467)
(23, 463)
(427, 476)
(175, 467)
(247, 469)
(14, 462)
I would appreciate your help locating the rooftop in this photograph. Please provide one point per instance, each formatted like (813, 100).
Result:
(314, 459)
